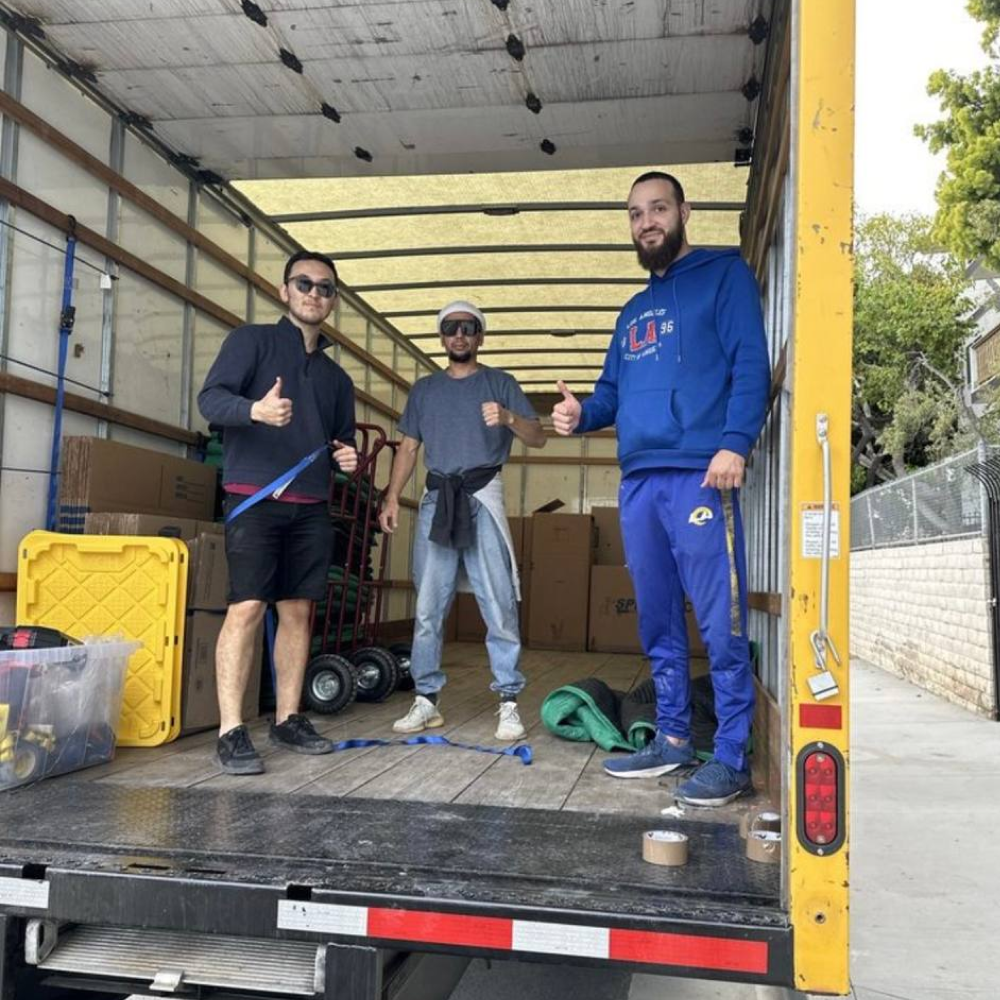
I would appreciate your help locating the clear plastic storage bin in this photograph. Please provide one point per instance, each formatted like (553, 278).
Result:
(59, 708)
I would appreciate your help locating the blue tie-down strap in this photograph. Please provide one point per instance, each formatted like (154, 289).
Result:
(522, 751)
(275, 488)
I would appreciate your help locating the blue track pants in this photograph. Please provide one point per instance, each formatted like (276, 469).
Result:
(682, 539)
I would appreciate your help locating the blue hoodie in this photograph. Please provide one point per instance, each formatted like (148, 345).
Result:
(687, 371)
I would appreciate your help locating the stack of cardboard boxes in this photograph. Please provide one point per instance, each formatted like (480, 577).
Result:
(562, 552)
(109, 488)
(614, 620)
(96, 475)
(576, 590)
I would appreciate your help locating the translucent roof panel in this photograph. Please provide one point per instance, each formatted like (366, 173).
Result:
(545, 308)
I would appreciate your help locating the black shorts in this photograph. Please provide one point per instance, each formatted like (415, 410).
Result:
(278, 551)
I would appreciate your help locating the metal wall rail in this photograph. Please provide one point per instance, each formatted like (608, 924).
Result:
(484, 208)
(415, 286)
(496, 310)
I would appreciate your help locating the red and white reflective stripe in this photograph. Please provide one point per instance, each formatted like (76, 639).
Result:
(697, 951)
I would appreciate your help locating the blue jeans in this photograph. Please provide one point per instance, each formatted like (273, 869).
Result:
(435, 575)
(680, 538)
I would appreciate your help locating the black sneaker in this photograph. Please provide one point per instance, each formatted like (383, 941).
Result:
(296, 733)
(236, 753)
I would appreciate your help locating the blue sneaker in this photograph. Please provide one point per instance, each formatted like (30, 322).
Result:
(657, 757)
(713, 784)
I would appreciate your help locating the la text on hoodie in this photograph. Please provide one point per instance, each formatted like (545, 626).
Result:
(687, 370)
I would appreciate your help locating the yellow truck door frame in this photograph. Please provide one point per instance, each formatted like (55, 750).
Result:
(817, 716)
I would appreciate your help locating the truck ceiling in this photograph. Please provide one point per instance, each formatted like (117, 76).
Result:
(423, 86)
(544, 110)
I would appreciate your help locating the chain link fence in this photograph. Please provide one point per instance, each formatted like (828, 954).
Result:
(942, 501)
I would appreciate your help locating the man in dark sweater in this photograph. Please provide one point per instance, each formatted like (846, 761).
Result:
(279, 398)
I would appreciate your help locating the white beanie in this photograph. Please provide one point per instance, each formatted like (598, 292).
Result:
(460, 306)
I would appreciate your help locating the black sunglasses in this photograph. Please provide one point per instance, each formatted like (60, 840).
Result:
(326, 289)
(465, 327)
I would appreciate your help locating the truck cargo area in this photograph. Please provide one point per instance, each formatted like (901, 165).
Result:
(160, 837)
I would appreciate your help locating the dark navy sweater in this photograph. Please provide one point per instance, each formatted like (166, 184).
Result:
(322, 396)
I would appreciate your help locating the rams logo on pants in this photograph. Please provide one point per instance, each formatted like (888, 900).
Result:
(700, 515)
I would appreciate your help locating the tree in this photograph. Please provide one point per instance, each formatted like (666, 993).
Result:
(910, 324)
(968, 193)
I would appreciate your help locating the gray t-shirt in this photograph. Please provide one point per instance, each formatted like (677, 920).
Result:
(446, 414)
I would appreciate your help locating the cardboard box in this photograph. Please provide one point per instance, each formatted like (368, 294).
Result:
(610, 550)
(107, 523)
(199, 694)
(120, 523)
(614, 618)
(562, 551)
(208, 573)
(97, 475)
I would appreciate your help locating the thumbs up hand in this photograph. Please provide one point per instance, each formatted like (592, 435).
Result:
(272, 408)
(346, 456)
(566, 413)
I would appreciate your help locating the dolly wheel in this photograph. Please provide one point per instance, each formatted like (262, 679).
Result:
(378, 673)
(402, 651)
(330, 684)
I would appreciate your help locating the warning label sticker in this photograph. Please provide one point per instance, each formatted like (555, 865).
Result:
(24, 893)
(812, 531)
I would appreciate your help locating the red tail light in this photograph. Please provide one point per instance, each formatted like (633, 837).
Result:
(821, 798)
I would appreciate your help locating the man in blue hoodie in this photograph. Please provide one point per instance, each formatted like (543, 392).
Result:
(685, 381)
(279, 398)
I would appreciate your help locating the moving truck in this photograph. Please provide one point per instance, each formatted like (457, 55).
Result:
(137, 139)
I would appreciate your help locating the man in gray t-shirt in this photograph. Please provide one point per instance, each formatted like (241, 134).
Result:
(466, 417)
(444, 413)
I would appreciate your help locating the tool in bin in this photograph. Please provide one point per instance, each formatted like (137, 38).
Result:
(30, 748)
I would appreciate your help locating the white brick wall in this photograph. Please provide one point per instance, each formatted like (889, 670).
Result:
(921, 612)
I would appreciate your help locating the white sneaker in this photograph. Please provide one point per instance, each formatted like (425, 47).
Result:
(509, 727)
(422, 715)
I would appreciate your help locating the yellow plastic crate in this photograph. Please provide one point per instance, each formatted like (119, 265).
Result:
(107, 585)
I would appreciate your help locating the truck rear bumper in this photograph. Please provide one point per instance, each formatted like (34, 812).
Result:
(466, 880)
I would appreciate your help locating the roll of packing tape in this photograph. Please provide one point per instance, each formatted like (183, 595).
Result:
(665, 847)
(769, 821)
(764, 846)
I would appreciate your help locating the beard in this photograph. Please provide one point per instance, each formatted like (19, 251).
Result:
(460, 357)
(659, 258)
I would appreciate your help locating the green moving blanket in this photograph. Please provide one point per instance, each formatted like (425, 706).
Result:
(590, 711)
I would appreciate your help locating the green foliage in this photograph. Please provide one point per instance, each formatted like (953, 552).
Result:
(968, 194)
(909, 327)
(987, 11)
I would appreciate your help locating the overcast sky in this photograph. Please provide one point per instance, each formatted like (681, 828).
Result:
(899, 44)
